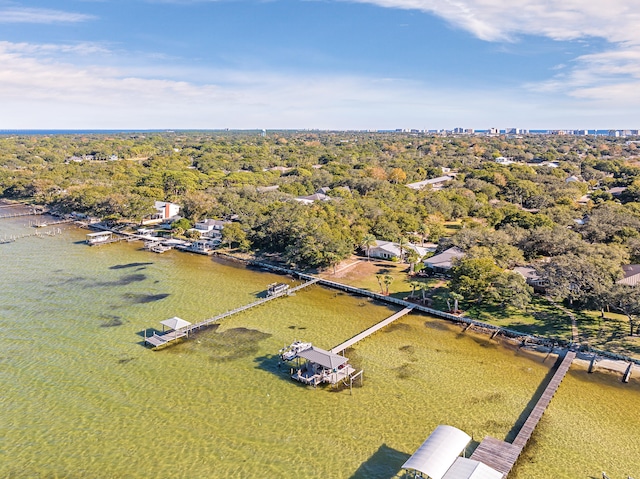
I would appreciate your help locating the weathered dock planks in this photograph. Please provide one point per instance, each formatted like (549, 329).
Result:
(367, 332)
(502, 455)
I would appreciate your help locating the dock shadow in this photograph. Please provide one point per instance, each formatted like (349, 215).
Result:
(385, 463)
(511, 435)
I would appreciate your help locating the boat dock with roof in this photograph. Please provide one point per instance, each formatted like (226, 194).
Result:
(438, 457)
(182, 330)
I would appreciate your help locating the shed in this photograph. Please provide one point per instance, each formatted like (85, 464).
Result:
(465, 468)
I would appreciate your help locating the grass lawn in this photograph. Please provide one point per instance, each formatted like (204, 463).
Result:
(363, 275)
(610, 334)
(541, 318)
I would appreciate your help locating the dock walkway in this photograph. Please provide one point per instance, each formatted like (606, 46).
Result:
(501, 455)
(163, 339)
(367, 332)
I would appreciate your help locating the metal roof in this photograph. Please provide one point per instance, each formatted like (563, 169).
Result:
(438, 453)
(470, 469)
(322, 357)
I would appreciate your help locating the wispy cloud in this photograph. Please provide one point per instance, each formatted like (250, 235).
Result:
(41, 16)
(611, 74)
(40, 91)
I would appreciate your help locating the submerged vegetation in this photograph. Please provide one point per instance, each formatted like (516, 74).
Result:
(569, 206)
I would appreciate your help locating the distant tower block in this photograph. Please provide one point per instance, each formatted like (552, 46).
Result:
(263, 133)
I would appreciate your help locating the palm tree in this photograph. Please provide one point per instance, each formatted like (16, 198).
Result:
(379, 278)
(414, 285)
(424, 231)
(412, 257)
(388, 279)
(368, 241)
(456, 297)
(424, 287)
(402, 244)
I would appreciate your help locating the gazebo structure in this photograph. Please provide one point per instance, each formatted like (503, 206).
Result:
(439, 457)
(177, 328)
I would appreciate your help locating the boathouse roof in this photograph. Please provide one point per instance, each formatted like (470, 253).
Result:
(465, 468)
(437, 454)
(322, 357)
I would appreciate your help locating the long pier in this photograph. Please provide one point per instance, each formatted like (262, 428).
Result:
(163, 339)
(26, 213)
(501, 455)
(367, 332)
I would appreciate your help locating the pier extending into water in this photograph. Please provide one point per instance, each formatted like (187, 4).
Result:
(163, 339)
(501, 455)
(368, 332)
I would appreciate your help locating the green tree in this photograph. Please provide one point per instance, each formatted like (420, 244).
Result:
(233, 233)
(368, 242)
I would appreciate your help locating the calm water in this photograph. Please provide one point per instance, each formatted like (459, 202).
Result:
(83, 398)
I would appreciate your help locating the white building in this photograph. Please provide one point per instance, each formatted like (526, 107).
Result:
(166, 210)
(209, 228)
(436, 183)
(390, 250)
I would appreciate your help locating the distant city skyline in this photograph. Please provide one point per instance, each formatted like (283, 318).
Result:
(332, 65)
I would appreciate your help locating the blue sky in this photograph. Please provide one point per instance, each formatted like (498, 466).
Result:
(366, 64)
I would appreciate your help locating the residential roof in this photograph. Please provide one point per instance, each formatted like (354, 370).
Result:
(312, 198)
(527, 272)
(443, 260)
(394, 248)
(322, 357)
(617, 190)
(438, 453)
(432, 181)
(631, 275)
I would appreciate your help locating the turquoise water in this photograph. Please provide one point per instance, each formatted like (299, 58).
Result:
(82, 397)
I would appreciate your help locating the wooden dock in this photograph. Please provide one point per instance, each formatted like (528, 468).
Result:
(26, 213)
(367, 332)
(166, 338)
(501, 455)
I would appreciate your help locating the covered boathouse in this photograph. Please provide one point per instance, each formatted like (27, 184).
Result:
(439, 457)
(321, 366)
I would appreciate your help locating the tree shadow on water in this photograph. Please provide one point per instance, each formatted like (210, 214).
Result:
(385, 463)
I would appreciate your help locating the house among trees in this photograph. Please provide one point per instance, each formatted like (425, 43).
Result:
(307, 200)
(390, 250)
(436, 183)
(631, 275)
(209, 228)
(532, 278)
(442, 263)
(164, 211)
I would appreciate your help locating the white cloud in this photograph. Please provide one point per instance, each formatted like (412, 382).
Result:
(40, 15)
(611, 75)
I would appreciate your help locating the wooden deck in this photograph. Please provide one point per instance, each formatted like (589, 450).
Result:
(502, 455)
(358, 337)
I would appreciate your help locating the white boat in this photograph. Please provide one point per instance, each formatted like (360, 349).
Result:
(289, 353)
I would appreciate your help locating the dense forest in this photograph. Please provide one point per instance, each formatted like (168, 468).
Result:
(567, 205)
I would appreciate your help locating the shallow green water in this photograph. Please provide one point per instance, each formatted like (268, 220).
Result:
(83, 398)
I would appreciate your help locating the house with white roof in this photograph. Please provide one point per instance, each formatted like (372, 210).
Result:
(436, 183)
(164, 211)
(307, 200)
(209, 228)
(390, 250)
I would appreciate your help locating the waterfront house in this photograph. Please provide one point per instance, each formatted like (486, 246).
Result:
(442, 263)
(164, 211)
(390, 250)
(209, 228)
(532, 278)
